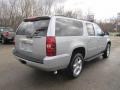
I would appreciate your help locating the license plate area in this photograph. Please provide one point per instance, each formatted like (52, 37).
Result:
(26, 46)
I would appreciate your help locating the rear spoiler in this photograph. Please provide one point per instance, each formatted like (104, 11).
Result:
(31, 19)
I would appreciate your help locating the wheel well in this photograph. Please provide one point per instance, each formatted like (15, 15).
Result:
(80, 50)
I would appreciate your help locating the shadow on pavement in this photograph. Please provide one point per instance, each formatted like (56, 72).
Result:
(43, 78)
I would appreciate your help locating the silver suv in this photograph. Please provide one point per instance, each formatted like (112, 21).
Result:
(54, 43)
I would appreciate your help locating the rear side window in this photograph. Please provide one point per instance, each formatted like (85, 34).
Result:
(37, 28)
(66, 27)
(90, 29)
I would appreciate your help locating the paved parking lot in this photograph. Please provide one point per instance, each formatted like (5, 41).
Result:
(99, 74)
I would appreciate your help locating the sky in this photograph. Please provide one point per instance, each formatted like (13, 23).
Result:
(102, 9)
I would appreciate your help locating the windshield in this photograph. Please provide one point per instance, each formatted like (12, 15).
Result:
(34, 28)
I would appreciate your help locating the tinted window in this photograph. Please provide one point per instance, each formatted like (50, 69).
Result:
(37, 28)
(90, 29)
(98, 30)
(66, 27)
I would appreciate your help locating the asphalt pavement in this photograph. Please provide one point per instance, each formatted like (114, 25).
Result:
(99, 74)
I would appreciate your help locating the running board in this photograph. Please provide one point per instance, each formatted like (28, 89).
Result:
(89, 59)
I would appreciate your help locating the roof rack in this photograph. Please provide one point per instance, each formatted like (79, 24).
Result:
(36, 18)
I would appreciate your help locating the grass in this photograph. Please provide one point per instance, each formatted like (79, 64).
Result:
(113, 33)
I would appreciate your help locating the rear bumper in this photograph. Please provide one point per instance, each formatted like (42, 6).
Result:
(49, 63)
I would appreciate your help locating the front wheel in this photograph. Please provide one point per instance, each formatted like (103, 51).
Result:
(107, 51)
(76, 65)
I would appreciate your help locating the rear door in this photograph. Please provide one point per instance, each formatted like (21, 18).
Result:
(31, 39)
(92, 42)
(68, 34)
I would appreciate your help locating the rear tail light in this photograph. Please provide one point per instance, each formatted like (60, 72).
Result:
(6, 33)
(50, 46)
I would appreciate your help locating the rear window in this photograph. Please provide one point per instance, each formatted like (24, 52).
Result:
(67, 27)
(35, 28)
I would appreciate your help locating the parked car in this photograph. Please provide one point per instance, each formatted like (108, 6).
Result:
(6, 34)
(59, 43)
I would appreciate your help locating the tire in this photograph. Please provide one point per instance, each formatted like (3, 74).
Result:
(107, 51)
(76, 65)
(3, 41)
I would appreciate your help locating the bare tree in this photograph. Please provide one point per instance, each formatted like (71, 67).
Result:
(14, 11)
